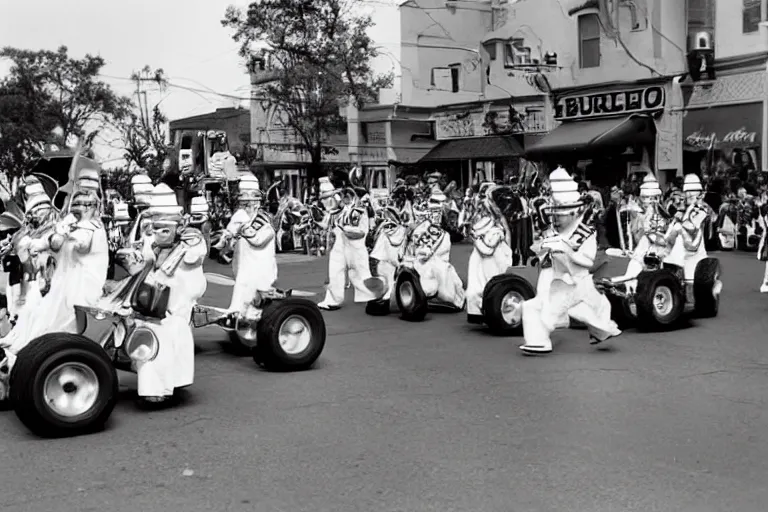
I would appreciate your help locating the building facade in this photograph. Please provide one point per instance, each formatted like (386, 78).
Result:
(449, 116)
(235, 122)
(725, 111)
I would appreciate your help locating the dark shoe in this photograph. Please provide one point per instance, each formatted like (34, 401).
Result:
(475, 319)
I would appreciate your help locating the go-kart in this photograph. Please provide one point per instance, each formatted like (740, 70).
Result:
(409, 288)
(663, 294)
(65, 384)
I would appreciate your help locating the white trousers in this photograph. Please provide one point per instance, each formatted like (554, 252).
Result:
(440, 279)
(580, 301)
(348, 260)
(174, 366)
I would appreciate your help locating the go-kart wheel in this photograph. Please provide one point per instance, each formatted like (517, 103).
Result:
(503, 299)
(377, 307)
(707, 287)
(63, 385)
(660, 300)
(291, 335)
(621, 312)
(411, 299)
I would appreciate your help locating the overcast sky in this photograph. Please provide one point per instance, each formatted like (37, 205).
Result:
(184, 37)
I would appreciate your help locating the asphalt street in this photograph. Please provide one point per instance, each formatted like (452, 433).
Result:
(436, 416)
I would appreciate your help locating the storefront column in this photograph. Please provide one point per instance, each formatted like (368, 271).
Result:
(764, 142)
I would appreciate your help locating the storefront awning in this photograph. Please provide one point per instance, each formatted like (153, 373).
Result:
(728, 127)
(598, 134)
(478, 148)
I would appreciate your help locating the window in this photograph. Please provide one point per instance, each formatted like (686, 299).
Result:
(455, 68)
(589, 41)
(490, 49)
(515, 54)
(750, 16)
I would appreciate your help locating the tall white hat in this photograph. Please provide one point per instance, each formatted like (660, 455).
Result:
(163, 202)
(650, 187)
(692, 183)
(565, 191)
(326, 187)
(36, 200)
(88, 179)
(248, 188)
(33, 187)
(141, 184)
(437, 196)
(198, 205)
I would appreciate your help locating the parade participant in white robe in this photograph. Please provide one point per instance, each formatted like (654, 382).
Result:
(348, 255)
(388, 250)
(570, 252)
(491, 254)
(254, 263)
(762, 248)
(687, 229)
(432, 253)
(83, 259)
(176, 254)
(31, 249)
(200, 219)
(653, 237)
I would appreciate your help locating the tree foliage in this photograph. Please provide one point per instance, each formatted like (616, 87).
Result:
(320, 56)
(50, 97)
(143, 130)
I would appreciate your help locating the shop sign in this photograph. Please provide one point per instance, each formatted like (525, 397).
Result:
(735, 126)
(368, 154)
(632, 101)
(483, 124)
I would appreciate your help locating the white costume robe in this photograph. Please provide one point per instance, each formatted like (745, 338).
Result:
(571, 293)
(348, 257)
(174, 366)
(490, 257)
(79, 279)
(254, 262)
(438, 277)
(387, 251)
(688, 248)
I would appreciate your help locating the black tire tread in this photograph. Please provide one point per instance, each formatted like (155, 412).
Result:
(494, 291)
(268, 352)
(646, 320)
(706, 305)
(421, 306)
(22, 387)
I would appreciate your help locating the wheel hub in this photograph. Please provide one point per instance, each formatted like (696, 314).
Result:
(406, 294)
(512, 308)
(663, 300)
(71, 389)
(295, 335)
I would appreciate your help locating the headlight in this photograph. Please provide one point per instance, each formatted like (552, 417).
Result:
(142, 346)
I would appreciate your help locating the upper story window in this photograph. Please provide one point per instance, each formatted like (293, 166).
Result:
(446, 79)
(589, 41)
(750, 16)
(516, 54)
(490, 49)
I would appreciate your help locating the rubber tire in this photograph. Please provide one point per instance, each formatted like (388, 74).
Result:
(647, 318)
(620, 312)
(494, 293)
(268, 352)
(377, 307)
(28, 376)
(707, 271)
(418, 309)
(239, 347)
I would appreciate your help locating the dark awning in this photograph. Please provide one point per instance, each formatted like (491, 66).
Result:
(479, 148)
(598, 134)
